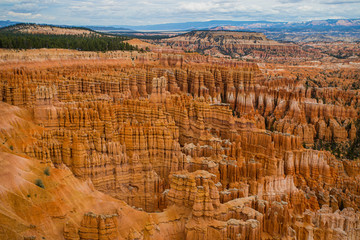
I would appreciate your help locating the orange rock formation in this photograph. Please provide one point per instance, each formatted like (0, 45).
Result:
(172, 146)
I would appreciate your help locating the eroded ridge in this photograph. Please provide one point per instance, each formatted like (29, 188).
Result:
(201, 148)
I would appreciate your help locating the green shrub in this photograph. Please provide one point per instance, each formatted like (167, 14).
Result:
(47, 171)
(39, 183)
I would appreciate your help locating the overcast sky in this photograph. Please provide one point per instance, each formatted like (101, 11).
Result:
(144, 12)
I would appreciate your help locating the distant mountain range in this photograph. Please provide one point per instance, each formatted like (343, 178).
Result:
(7, 23)
(316, 30)
(334, 24)
(192, 25)
(251, 25)
(324, 30)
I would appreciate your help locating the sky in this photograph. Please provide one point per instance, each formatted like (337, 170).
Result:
(146, 12)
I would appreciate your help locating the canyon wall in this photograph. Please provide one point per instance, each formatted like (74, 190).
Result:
(200, 148)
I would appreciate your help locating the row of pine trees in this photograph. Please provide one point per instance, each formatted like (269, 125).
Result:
(78, 42)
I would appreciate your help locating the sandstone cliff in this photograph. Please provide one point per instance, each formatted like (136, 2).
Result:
(173, 146)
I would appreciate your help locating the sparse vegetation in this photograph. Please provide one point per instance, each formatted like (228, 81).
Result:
(353, 152)
(39, 183)
(349, 150)
(355, 85)
(47, 171)
(33, 27)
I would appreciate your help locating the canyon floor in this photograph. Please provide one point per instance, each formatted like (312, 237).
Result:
(169, 143)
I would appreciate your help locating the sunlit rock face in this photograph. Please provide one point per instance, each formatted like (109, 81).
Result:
(173, 146)
(235, 44)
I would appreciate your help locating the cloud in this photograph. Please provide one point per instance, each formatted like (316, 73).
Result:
(24, 15)
(143, 12)
(337, 2)
(198, 6)
(290, 1)
(27, 7)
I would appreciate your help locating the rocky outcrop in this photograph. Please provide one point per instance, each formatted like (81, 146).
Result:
(294, 109)
(93, 226)
(326, 224)
(234, 44)
(199, 147)
(98, 226)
